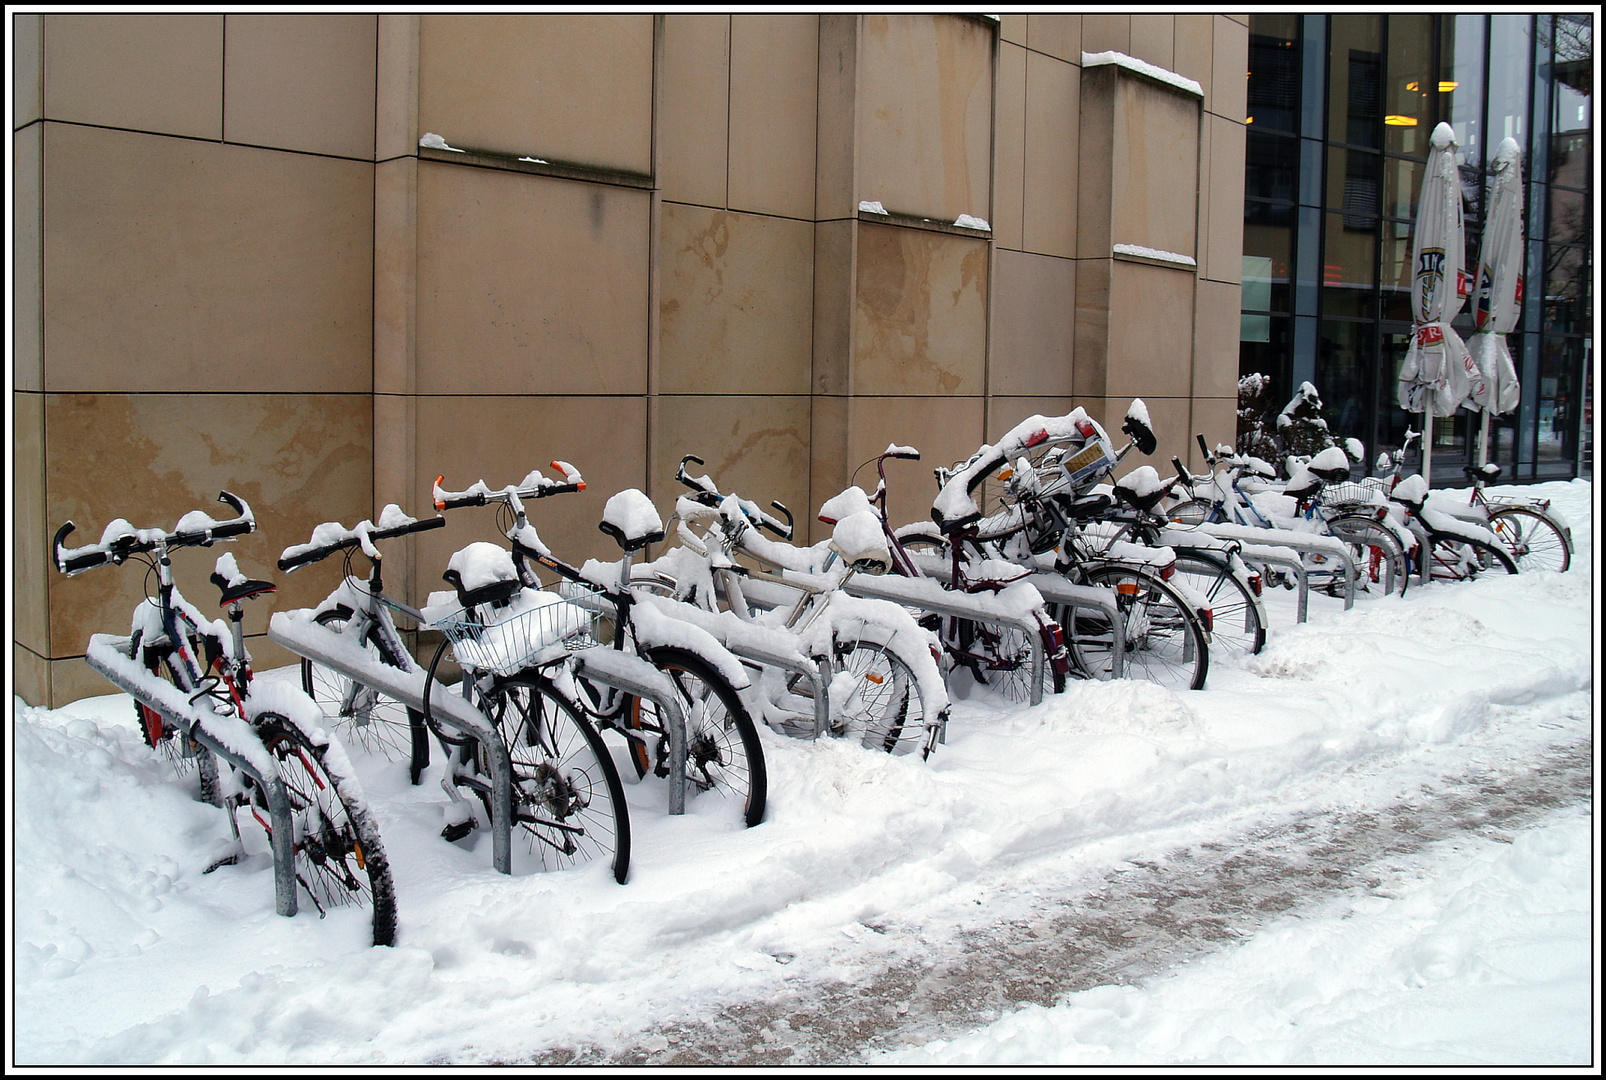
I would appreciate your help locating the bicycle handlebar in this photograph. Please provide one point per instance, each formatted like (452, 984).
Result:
(307, 555)
(120, 540)
(708, 495)
(535, 486)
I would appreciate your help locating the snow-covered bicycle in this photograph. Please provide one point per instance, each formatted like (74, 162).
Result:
(198, 702)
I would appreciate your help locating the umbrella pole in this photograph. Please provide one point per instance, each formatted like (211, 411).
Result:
(1483, 440)
(1427, 438)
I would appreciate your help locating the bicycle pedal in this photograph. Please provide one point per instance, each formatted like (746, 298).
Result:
(458, 831)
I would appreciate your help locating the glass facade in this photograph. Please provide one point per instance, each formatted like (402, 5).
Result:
(1340, 110)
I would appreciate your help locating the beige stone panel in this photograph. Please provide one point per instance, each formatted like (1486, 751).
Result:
(30, 529)
(27, 259)
(925, 115)
(755, 447)
(736, 302)
(1169, 418)
(1107, 33)
(396, 276)
(1193, 51)
(1053, 107)
(396, 130)
(829, 467)
(1033, 324)
(944, 430)
(833, 305)
(1216, 330)
(529, 284)
(1014, 28)
(499, 440)
(694, 117)
(1230, 76)
(920, 313)
(1059, 36)
(297, 459)
(835, 162)
(301, 82)
(1091, 345)
(774, 81)
(1151, 331)
(1153, 40)
(569, 88)
(1223, 200)
(176, 264)
(30, 676)
(74, 680)
(1155, 173)
(1095, 161)
(27, 72)
(1009, 149)
(1217, 419)
(396, 474)
(160, 73)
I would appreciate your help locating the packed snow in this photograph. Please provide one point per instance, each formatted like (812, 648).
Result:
(1141, 252)
(1473, 949)
(1143, 67)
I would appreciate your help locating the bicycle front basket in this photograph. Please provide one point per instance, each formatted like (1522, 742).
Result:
(535, 627)
(1367, 492)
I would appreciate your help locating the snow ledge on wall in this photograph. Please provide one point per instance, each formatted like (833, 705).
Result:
(1132, 63)
(1139, 252)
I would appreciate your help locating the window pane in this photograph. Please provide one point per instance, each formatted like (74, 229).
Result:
(1564, 290)
(1272, 357)
(1461, 86)
(1568, 223)
(1272, 167)
(1347, 270)
(1396, 271)
(1410, 107)
(1273, 73)
(1345, 367)
(1559, 357)
(1355, 73)
(1510, 52)
(1268, 255)
(1353, 186)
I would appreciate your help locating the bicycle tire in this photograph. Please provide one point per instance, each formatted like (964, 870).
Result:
(1380, 562)
(1237, 627)
(361, 715)
(567, 796)
(882, 706)
(1455, 558)
(723, 751)
(339, 859)
(1163, 638)
(1006, 663)
(1532, 539)
(1189, 512)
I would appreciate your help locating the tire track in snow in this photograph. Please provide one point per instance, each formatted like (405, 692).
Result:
(1144, 918)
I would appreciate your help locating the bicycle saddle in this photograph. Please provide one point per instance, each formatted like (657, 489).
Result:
(243, 589)
(483, 573)
(1487, 473)
(632, 520)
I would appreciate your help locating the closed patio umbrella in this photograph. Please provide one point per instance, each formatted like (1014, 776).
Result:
(1497, 302)
(1439, 372)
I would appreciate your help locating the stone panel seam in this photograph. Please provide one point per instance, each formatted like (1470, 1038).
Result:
(209, 142)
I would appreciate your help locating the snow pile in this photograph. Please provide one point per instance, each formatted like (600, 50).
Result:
(965, 221)
(436, 142)
(1143, 67)
(1472, 952)
(868, 207)
(1142, 252)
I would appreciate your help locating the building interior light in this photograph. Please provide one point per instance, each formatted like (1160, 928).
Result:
(1411, 86)
(1250, 120)
(1447, 85)
(1399, 121)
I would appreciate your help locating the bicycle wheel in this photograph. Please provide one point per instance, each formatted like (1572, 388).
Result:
(166, 736)
(361, 715)
(1463, 559)
(1001, 657)
(567, 796)
(1534, 541)
(339, 859)
(723, 753)
(1379, 559)
(875, 698)
(1189, 512)
(1163, 639)
(1237, 626)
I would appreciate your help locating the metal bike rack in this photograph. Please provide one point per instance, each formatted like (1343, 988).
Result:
(623, 671)
(1059, 591)
(928, 594)
(304, 637)
(111, 657)
(1258, 539)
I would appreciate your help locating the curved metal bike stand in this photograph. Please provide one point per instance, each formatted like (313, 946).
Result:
(622, 671)
(110, 656)
(1256, 540)
(927, 594)
(1057, 590)
(304, 637)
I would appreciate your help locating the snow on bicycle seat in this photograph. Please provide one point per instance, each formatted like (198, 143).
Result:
(632, 520)
(482, 573)
(235, 585)
(1141, 488)
(1331, 465)
(861, 543)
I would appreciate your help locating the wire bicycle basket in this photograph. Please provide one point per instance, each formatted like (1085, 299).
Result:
(534, 627)
(1368, 492)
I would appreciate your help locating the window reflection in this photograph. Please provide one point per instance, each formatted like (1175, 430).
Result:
(1348, 275)
(1355, 79)
(1412, 88)
(1268, 256)
(1273, 102)
(1345, 363)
